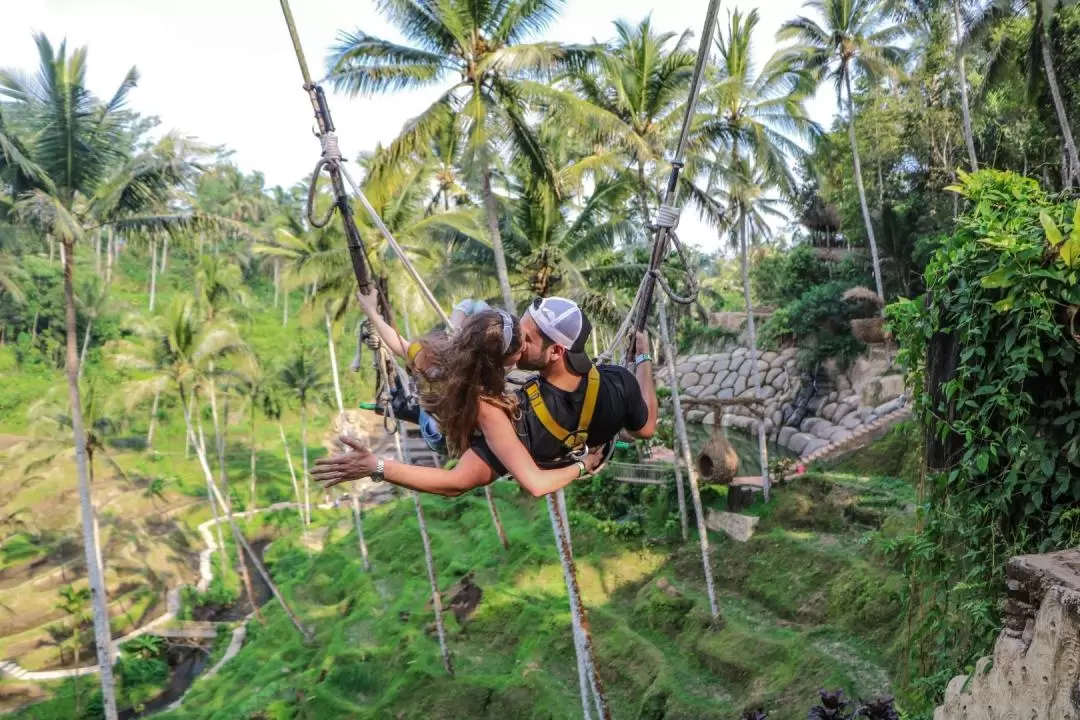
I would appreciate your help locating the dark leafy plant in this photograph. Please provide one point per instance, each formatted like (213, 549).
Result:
(831, 706)
(882, 708)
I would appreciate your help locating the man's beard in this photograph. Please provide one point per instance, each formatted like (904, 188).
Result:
(535, 364)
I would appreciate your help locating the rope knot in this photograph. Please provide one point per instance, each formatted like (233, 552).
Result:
(667, 217)
(330, 150)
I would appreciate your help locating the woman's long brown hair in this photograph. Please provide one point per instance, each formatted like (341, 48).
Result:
(473, 370)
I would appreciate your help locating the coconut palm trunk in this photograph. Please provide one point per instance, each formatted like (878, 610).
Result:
(763, 448)
(1059, 108)
(304, 451)
(153, 421)
(243, 546)
(153, 273)
(862, 191)
(98, 600)
(199, 443)
(164, 256)
(252, 443)
(110, 255)
(965, 105)
(358, 517)
(85, 345)
(292, 473)
(491, 211)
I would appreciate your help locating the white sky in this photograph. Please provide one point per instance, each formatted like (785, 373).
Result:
(224, 70)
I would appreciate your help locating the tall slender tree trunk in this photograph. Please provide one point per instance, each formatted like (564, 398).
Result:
(164, 255)
(354, 499)
(253, 503)
(763, 448)
(200, 452)
(153, 273)
(303, 447)
(85, 345)
(643, 193)
(1059, 107)
(862, 192)
(965, 105)
(63, 254)
(292, 473)
(97, 253)
(491, 210)
(219, 436)
(110, 255)
(52, 246)
(285, 310)
(277, 279)
(691, 470)
(153, 421)
(242, 544)
(429, 559)
(98, 600)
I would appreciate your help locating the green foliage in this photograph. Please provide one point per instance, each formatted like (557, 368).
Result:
(1002, 407)
(782, 278)
(818, 323)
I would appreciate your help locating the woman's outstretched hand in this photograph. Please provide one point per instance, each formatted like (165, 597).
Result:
(369, 301)
(354, 464)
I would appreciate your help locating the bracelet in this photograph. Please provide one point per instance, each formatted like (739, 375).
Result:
(379, 475)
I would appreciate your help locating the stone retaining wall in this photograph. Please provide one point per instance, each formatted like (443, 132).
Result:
(846, 404)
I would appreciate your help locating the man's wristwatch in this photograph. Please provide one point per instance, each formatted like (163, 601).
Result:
(642, 358)
(378, 475)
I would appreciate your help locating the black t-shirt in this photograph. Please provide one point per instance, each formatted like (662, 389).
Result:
(619, 404)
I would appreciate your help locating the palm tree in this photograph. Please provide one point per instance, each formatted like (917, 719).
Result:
(73, 602)
(961, 72)
(252, 384)
(1039, 52)
(482, 47)
(271, 403)
(93, 299)
(633, 99)
(305, 381)
(179, 347)
(83, 175)
(855, 39)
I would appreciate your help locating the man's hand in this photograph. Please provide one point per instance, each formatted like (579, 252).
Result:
(343, 467)
(641, 343)
(369, 301)
(594, 460)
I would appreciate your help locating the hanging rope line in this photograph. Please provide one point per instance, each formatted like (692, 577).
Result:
(668, 217)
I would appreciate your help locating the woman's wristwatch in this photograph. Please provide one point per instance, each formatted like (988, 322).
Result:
(582, 469)
(378, 475)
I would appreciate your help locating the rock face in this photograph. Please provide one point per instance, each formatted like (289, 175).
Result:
(848, 403)
(1035, 669)
(738, 527)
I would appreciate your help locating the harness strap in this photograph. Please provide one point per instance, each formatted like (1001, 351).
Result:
(573, 440)
(412, 351)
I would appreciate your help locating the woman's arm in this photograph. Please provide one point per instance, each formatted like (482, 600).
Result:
(369, 304)
(470, 472)
(507, 446)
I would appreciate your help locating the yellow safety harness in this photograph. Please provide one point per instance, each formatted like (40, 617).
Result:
(412, 351)
(576, 440)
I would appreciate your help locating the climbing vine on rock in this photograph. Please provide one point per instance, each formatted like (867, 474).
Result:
(996, 375)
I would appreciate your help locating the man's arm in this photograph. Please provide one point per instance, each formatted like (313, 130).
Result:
(643, 373)
(394, 342)
(469, 473)
(507, 446)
